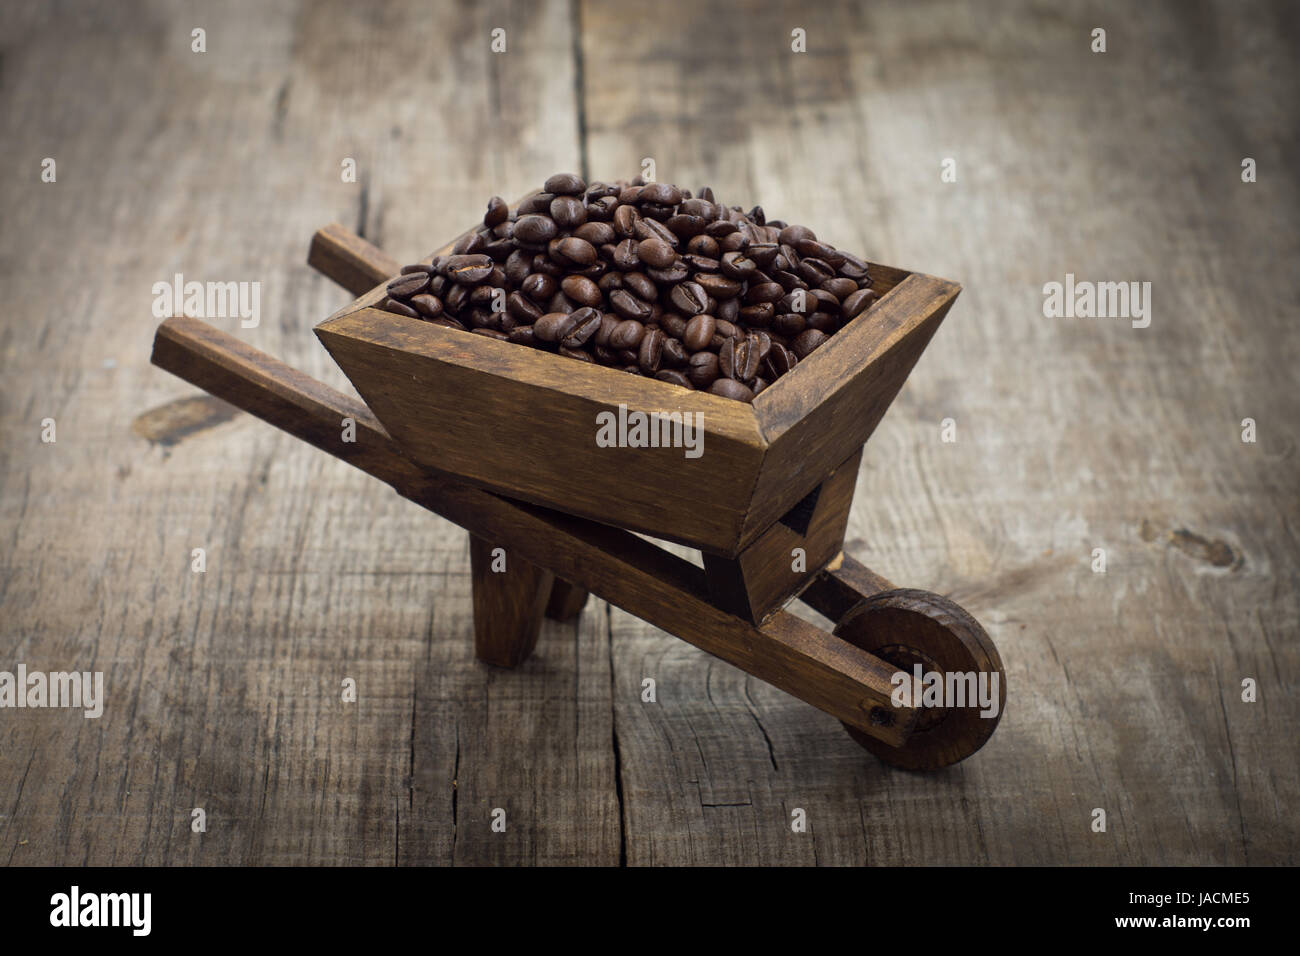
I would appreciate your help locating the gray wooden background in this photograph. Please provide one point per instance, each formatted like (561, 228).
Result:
(223, 688)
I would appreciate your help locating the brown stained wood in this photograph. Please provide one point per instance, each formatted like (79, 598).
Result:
(510, 598)
(566, 601)
(926, 633)
(763, 576)
(480, 409)
(844, 582)
(832, 401)
(349, 260)
(634, 574)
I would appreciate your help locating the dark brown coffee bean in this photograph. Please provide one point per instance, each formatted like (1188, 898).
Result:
(702, 369)
(417, 267)
(390, 304)
(649, 229)
(728, 330)
(553, 326)
(673, 274)
(650, 354)
(807, 341)
(568, 212)
(629, 306)
(518, 265)
(673, 377)
(789, 324)
(534, 204)
(855, 268)
(625, 220)
(523, 309)
(758, 316)
(580, 252)
(720, 287)
(672, 324)
(582, 290)
(686, 227)
(759, 385)
(763, 292)
(468, 269)
(597, 233)
(608, 322)
(825, 302)
(427, 305)
(674, 353)
(792, 235)
(727, 358)
(535, 229)
(626, 335)
(560, 303)
(665, 194)
(730, 388)
(656, 253)
(471, 242)
(823, 322)
(640, 286)
(840, 287)
(522, 335)
(780, 360)
(491, 334)
(745, 359)
(538, 287)
(408, 284)
(858, 302)
(699, 332)
(497, 212)
(578, 354)
(688, 298)
(448, 322)
(728, 310)
(565, 184)
(586, 322)
(703, 246)
(625, 255)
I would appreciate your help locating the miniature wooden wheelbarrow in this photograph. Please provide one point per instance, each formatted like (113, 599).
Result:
(500, 439)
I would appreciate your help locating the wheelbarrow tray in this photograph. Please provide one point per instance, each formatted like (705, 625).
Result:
(523, 422)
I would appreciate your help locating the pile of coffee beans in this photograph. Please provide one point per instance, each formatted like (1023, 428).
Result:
(643, 277)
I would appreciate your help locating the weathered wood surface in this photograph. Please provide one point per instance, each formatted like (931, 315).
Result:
(224, 688)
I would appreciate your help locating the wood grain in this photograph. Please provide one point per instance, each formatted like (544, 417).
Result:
(223, 687)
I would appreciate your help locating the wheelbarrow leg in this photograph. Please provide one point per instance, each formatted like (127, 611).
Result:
(510, 599)
(566, 601)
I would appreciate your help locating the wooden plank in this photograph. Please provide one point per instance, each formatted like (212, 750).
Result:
(1125, 686)
(224, 688)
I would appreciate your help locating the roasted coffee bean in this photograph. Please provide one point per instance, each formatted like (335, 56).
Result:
(629, 306)
(497, 212)
(730, 388)
(430, 306)
(625, 220)
(448, 322)
(855, 268)
(780, 360)
(655, 252)
(759, 385)
(720, 287)
(536, 203)
(702, 369)
(535, 229)
(763, 292)
(703, 246)
(417, 267)
(674, 353)
(565, 184)
(468, 268)
(522, 335)
(686, 227)
(580, 252)
(699, 332)
(586, 322)
(649, 229)
(568, 212)
(625, 255)
(522, 309)
(640, 286)
(673, 377)
(491, 334)
(758, 316)
(650, 354)
(688, 298)
(626, 335)
(727, 358)
(665, 194)
(840, 287)
(608, 322)
(858, 302)
(807, 341)
(792, 235)
(745, 358)
(700, 263)
(538, 287)
(390, 304)
(789, 324)
(823, 301)
(673, 274)
(408, 284)
(597, 233)
(728, 309)
(582, 290)
(457, 298)
(823, 322)
(578, 354)
(553, 326)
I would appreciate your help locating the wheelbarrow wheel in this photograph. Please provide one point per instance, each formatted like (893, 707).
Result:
(907, 627)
